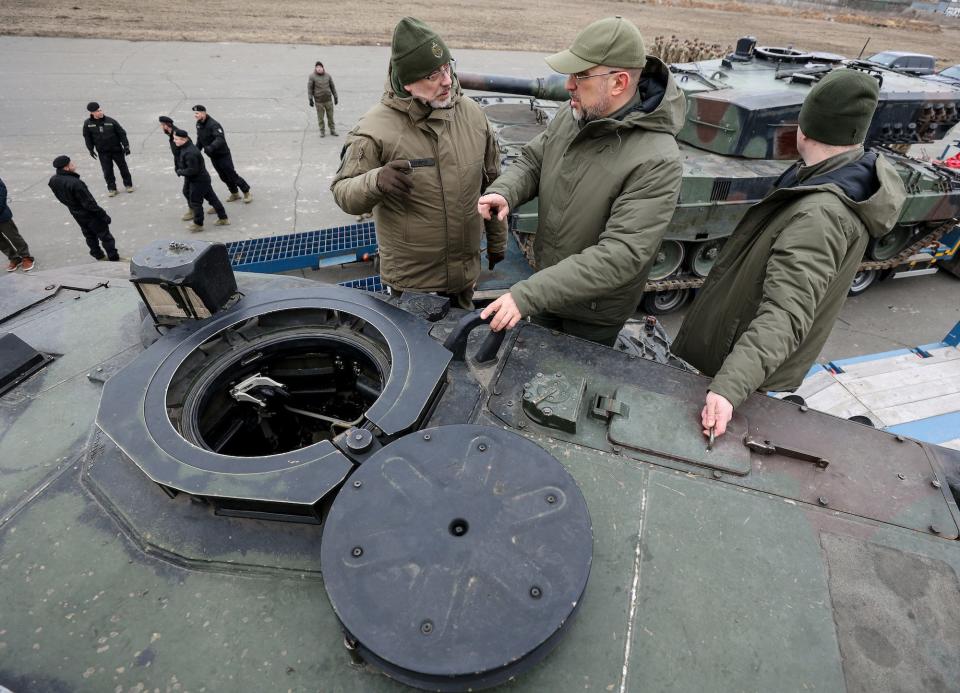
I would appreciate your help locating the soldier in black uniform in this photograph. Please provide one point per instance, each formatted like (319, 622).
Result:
(110, 140)
(167, 125)
(212, 140)
(94, 221)
(190, 165)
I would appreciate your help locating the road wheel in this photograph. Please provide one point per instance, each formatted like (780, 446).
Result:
(704, 256)
(668, 260)
(889, 246)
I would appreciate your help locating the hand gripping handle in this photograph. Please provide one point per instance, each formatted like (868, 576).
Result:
(456, 342)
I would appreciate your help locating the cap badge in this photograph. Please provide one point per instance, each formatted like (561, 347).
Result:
(436, 50)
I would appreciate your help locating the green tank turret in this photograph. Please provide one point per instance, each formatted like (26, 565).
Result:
(739, 136)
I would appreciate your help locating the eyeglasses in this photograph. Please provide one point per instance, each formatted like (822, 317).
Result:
(446, 69)
(580, 78)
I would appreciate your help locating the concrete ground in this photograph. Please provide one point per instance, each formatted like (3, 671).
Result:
(258, 93)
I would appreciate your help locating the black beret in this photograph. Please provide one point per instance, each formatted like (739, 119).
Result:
(318, 63)
(181, 133)
(93, 106)
(201, 109)
(61, 161)
(166, 119)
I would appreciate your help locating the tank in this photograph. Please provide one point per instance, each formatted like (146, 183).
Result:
(259, 482)
(739, 136)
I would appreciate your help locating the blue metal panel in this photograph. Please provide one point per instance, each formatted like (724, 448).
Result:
(936, 429)
(366, 284)
(305, 250)
(953, 337)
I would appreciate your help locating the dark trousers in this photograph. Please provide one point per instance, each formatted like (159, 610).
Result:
(197, 192)
(12, 243)
(601, 334)
(223, 165)
(96, 232)
(107, 160)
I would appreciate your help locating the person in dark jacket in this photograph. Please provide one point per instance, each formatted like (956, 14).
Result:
(323, 92)
(770, 301)
(190, 165)
(167, 126)
(11, 242)
(109, 139)
(212, 140)
(94, 221)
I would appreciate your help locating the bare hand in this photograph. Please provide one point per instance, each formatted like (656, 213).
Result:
(491, 204)
(394, 178)
(505, 313)
(716, 414)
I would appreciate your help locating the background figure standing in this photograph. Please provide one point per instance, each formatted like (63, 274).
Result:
(197, 186)
(322, 92)
(110, 141)
(94, 221)
(11, 242)
(212, 140)
(167, 125)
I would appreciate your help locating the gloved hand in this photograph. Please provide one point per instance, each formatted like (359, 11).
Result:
(336, 101)
(107, 220)
(179, 171)
(394, 178)
(93, 154)
(126, 151)
(311, 103)
(494, 258)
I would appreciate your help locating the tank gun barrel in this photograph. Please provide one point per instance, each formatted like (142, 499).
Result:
(551, 87)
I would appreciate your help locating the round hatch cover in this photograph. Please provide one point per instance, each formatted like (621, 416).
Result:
(456, 556)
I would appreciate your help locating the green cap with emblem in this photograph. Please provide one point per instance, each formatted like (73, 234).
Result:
(416, 51)
(614, 42)
(839, 108)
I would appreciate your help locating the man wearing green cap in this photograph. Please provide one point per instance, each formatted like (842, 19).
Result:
(428, 228)
(607, 172)
(770, 301)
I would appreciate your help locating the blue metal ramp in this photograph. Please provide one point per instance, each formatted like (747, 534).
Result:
(305, 250)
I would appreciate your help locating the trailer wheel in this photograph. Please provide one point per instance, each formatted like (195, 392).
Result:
(862, 281)
(663, 302)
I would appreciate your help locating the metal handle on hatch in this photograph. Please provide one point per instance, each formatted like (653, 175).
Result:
(456, 342)
(765, 447)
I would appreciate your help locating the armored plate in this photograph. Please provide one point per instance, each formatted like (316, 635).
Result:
(511, 113)
(520, 134)
(456, 556)
(649, 423)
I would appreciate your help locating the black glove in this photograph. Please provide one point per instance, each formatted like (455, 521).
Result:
(336, 101)
(179, 171)
(126, 150)
(494, 258)
(394, 178)
(311, 102)
(93, 154)
(107, 220)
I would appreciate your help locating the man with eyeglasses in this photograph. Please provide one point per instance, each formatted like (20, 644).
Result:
(607, 173)
(418, 160)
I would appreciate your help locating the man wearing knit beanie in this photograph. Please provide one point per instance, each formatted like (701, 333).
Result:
(418, 160)
(93, 220)
(106, 140)
(607, 173)
(322, 93)
(765, 311)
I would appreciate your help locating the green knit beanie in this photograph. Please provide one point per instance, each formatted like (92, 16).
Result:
(839, 108)
(416, 51)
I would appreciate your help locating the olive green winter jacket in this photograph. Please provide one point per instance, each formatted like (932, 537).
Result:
(770, 301)
(321, 87)
(607, 192)
(429, 241)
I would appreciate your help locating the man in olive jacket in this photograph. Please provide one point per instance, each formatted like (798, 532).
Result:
(770, 301)
(428, 227)
(607, 172)
(323, 92)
